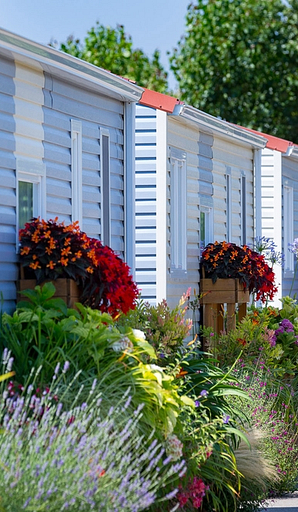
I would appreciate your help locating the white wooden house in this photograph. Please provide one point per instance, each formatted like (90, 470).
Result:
(277, 205)
(66, 149)
(194, 184)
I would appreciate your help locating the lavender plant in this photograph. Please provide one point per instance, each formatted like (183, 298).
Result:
(78, 459)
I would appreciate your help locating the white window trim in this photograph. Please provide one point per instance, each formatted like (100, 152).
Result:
(178, 171)
(229, 206)
(76, 171)
(288, 224)
(243, 202)
(105, 175)
(31, 171)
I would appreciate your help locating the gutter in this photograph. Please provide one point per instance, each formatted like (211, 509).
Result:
(212, 124)
(52, 59)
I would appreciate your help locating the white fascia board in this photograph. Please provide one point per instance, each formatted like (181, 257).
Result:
(213, 125)
(52, 60)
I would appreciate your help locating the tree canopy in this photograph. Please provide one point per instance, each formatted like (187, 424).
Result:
(238, 60)
(112, 49)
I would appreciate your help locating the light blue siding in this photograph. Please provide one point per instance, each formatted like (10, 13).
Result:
(63, 102)
(8, 257)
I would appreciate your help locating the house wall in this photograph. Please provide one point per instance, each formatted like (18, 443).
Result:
(229, 157)
(8, 257)
(290, 179)
(199, 166)
(37, 109)
(63, 102)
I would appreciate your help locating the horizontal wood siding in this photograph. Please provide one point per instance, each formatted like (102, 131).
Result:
(229, 157)
(198, 147)
(8, 257)
(145, 202)
(290, 179)
(63, 102)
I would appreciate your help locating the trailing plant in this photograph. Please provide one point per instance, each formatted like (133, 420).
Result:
(228, 260)
(49, 250)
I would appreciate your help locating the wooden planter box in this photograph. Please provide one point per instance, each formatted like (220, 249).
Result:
(66, 289)
(213, 297)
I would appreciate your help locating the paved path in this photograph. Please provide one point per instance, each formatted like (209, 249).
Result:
(287, 503)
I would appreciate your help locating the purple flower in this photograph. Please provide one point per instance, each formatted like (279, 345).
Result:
(204, 392)
(197, 403)
(226, 418)
(287, 325)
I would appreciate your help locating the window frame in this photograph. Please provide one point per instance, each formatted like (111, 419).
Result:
(208, 216)
(288, 227)
(229, 205)
(31, 171)
(243, 206)
(76, 171)
(105, 187)
(178, 211)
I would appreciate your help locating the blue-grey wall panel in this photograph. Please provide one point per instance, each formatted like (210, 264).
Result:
(8, 257)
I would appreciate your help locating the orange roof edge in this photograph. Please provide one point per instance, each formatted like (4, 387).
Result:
(276, 143)
(158, 100)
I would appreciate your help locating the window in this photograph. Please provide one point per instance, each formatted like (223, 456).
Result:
(206, 227)
(30, 192)
(288, 225)
(76, 171)
(105, 187)
(229, 207)
(243, 209)
(178, 220)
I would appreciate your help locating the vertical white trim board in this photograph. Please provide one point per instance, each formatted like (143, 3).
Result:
(161, 205)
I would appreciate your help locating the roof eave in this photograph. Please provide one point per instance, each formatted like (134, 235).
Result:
(51, 59)
(214, 125)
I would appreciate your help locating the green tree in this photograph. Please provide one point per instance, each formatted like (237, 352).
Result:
(112, 49)
(238, 60)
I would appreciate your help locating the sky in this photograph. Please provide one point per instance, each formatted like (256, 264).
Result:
(151, 23)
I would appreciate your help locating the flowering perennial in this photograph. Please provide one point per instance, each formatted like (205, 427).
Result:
(49, 250)
(228, 260)
(193, 493)
(78, 458)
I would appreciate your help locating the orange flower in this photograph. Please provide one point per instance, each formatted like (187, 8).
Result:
(35, 236)
(66, 251)
(181, 373)
(47, 234)
(35, 265)
(51, 265)
(52, 243)
(78, 254)
(64, 261)
(67, 241)
(25, 250)
(90, 270)
(48, 250)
